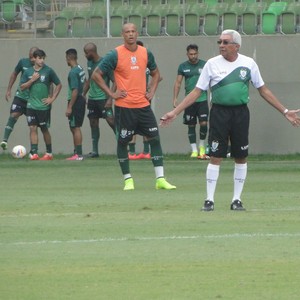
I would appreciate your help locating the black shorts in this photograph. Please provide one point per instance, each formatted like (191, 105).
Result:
(18, 105)
(97, 109)
(40, 118)
(78, 111)
(131, 121)
(198, 110)
(229, 123)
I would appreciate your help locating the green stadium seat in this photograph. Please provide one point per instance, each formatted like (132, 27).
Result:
(61, 27)
(270, 17)
(154, 19)
(194, 16)
(251, 18)
(117, 18)
(137, 16)
(213, 18)
(173, 23)
(232, 17)
(8, 11)
(97, 25)
(289, 18)
(79, 26)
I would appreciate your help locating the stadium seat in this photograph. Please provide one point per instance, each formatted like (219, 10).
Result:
(79, 26)
(194, 16)
(137, 16)
(251, 18)
(173, 23)
(213, 22)
(232, 16)
(61, 27)
(117, 18)
(8, 11)
(270, 17)
(289, 18)
(154, 20)
(97, 24)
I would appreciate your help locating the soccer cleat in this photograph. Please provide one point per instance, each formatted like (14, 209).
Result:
(75, 157)
(34, 156)
(3, 145)
(163, 184)
(208, 205)
(47, 156)
(129, 184)
(194, 154)
(143, 156)
(237, 205)
(132, 156)
(201, 150)
(203, 157)
(93, 155)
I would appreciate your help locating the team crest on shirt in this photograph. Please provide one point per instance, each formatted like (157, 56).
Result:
(214, 146)
(42, 78)
(133, 60)
(243, 73)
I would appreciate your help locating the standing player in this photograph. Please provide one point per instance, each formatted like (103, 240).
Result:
(190, 71)
(18, 107)
(99, 106)
(76, 102)
(133, 113)
(228, 76)
(38, 80)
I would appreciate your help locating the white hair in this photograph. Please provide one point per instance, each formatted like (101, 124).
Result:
(236, 37)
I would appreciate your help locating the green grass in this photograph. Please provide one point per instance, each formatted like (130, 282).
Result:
(69, 231)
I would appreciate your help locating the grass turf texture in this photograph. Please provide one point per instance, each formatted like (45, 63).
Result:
(69, 231)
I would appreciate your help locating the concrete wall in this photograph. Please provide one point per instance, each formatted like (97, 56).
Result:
(277, 56)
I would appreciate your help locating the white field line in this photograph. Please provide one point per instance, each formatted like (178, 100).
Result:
(158, 238)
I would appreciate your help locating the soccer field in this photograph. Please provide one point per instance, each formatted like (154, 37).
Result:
(69, 231)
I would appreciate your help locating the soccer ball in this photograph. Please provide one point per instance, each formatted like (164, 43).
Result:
(18, 151)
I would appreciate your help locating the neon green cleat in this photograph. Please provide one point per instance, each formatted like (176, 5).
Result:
(163, 184)
(201, 151)
(129, 185)
(194, 154)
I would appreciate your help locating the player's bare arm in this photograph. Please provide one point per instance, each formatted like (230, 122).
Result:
(186, 102)
(97, 76)
(176, 89)
(155, 79)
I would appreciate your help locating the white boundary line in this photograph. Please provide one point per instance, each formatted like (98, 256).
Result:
(159, 238)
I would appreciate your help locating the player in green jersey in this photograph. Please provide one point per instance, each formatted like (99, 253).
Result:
(99, 105)
(76, 102)
(228, 77)
(190, 71)
(18, 107)
(38, 80)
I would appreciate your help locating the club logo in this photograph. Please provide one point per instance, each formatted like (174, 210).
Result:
(243, 73)
(214, 146)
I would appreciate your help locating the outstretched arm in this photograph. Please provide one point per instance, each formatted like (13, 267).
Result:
(186, 102)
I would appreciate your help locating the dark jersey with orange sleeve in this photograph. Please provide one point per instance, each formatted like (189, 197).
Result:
(129, 73)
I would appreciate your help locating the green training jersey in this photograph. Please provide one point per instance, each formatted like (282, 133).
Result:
(40, 89)
(191, 73)
(76, 80)
(95, 92)
(229, 81)
(21, 67)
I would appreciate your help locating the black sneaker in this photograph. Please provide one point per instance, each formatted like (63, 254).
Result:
(237, 205)
(208, 205)
(92, 155)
